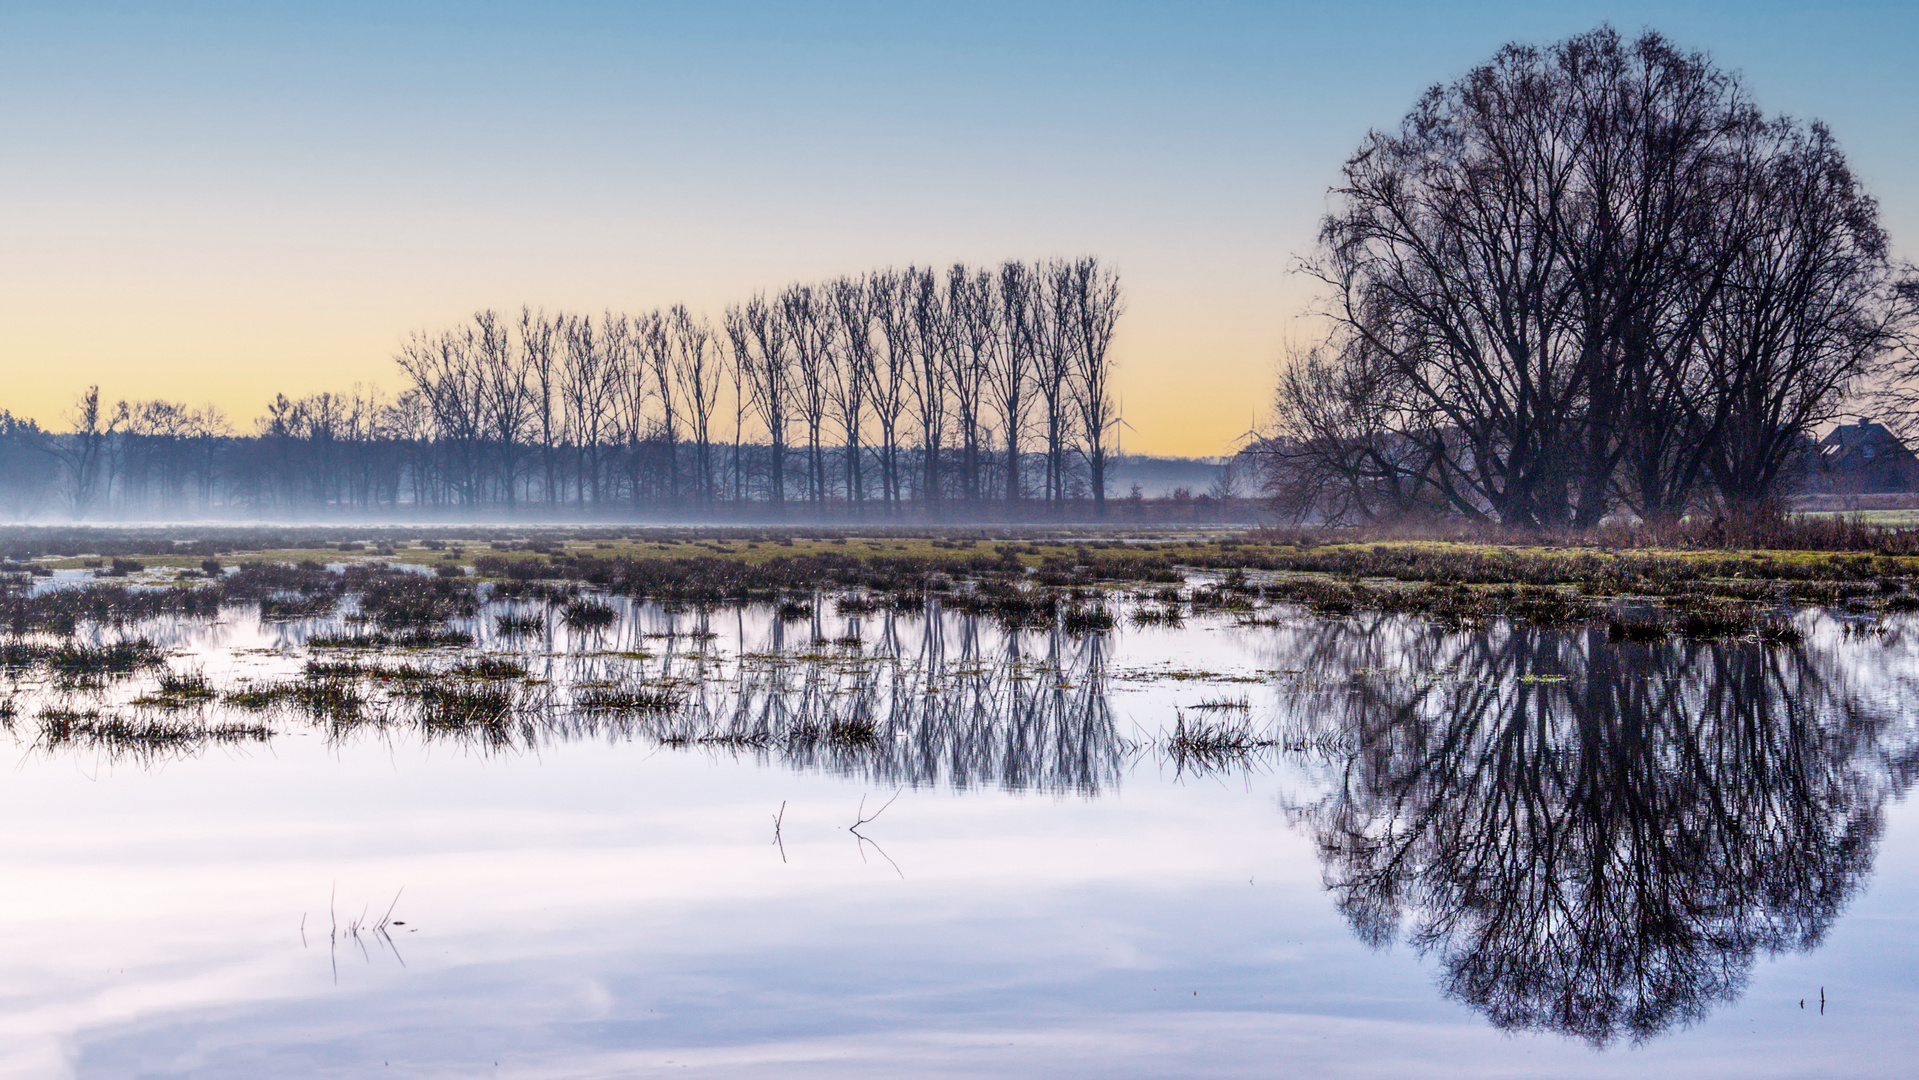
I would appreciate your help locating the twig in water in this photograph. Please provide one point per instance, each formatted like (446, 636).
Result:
(863, 819)
(778, 820)
(865, 840)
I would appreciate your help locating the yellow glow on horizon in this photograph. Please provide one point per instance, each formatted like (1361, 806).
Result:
(1195, 365)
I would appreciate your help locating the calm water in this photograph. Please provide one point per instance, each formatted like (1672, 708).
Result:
(1490, 852)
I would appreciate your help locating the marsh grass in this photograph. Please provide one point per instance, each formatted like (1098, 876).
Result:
(92, 665)
(335, 700)
(519, 625)
(409, 601)
(487, 708)
(186, 684)
(295, 607)
(1640, 630)
(140, 736)
(22, 654)
(179, 690)
(1086, 620)
(407, 639)
(628, 699)
(1149, 615)
(588, 614)
(489, 667)
(855, 733)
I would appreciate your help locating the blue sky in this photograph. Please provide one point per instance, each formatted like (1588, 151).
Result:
(218, 201)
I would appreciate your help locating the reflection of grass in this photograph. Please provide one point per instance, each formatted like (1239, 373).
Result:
(334, 699)
(584, 614)
(87, 664)
(1150, 615)
(490, 667)
(462, 706)
(118, 734)
(628, 699)
(179, 690)
(409, 639)
(1208, 744)
(519, 625)
(1086, 620)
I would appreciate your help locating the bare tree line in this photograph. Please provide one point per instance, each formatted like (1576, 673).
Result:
(899, 391)
(1584, 279)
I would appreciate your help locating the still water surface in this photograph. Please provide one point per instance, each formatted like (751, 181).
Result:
(1486, 852)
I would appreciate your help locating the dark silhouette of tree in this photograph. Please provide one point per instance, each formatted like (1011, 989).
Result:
(1581, 277)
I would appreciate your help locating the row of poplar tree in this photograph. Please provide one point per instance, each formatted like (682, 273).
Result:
(914, 389)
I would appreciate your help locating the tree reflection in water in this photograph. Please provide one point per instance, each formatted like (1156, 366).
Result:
(931, 699)
(1592, 838)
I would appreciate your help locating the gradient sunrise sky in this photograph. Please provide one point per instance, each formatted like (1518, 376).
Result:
(217, 202)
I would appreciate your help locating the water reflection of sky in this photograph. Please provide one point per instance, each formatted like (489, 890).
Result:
(611, 908)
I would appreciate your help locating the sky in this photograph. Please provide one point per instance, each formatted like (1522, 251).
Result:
(215, 203)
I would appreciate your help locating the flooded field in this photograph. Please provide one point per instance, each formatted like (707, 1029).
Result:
(395, 822)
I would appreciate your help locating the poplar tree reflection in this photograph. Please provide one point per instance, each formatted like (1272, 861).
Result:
(934, 701)
(1598, 839)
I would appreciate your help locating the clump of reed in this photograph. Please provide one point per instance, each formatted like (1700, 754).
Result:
(409, 600)
(351, 669)
(407, 639)
(489, 667)
(1720, 620)
(1207, 744)
(1783, 633)
(846, 733)
(793, 611)
(75, 664)
(588, 614)
(519, 625)
(1086, 620)
(628, 699)
(857, 605)
(60, 611)
(139, 736)
(462, 704)
(292, 607)
(1220, 599)
(334, 699)
(1010, 605)
(1150, 615)
(22, 654)
(1638, 630)
(179, 690)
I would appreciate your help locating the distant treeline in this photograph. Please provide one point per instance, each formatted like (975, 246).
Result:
(975, 389)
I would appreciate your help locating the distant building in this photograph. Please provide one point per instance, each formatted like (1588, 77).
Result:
(1862, 459)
